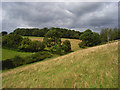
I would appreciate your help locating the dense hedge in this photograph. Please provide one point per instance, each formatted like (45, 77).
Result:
(18, 61)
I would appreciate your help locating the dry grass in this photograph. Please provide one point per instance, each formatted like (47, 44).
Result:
(95, 67)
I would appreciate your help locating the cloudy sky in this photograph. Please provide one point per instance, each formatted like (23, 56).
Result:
(72, 15)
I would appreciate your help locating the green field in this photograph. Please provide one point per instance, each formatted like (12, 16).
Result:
(7, 54)
(95, 67)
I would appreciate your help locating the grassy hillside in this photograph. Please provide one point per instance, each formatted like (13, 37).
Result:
(74, 42)
(7, 54)
(95, 67)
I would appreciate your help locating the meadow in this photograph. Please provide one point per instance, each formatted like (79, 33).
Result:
(7, 53)
(95, 67)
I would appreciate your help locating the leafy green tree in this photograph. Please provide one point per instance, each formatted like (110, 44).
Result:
(90, 38)
(66, 46)
(115, 33)
(109, 34)
(11, 41)
(65, 33)
(103, 35)
(31, 46)
(25, 44)
(88, 30)
(52, 37)
(82, 45)
(4, 33)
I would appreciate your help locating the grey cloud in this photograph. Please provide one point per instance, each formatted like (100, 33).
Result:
(66, 14)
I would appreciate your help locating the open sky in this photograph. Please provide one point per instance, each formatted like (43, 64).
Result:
(72, 15)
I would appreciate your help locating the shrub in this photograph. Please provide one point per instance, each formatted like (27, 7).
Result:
(11, 40)
(7, 64)
(66, 46)
(38, 57)
(4, 33)
(52, 38)
(82, 45)
(25, 45)
(18, 61)
(31, 46)
(59, 49)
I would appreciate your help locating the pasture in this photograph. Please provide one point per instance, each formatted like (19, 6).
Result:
(95, 67)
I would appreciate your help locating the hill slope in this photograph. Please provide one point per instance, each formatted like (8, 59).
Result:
(95, 67)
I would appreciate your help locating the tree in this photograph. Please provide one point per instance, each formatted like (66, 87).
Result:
(66, 46)
(52, 37)
(4, 33)
(90, 38)
(31, 46)
(25, 44)
(88, 30)
(11, 40)
(103, 35)
(109, 34)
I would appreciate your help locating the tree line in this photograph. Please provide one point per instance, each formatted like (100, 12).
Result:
(43, 49)
(90, 38)
(65, 33)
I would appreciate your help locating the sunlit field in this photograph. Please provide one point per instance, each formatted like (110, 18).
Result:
(95, 67)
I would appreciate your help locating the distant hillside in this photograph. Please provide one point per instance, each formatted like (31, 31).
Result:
(95, 67)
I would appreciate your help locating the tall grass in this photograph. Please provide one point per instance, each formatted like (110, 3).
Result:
(95, 67)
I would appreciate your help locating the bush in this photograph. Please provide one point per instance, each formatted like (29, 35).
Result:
(4, 33)
(11, 40)
(25, 45)
(52, 38)
(66, 46)
(82, 45)
(59, 50)
(38, 57)
(18, 61)
(31, 46)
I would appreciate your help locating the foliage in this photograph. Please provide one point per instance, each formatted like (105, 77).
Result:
(90, 38)
(31, 46)
(109, 34)
(4, 33)
(82, 45)
(52, 37)
(25, 44)
(65, 33)
(57, 49)
(15, 41)
(66, 46)
(18, 61)
(11, 40)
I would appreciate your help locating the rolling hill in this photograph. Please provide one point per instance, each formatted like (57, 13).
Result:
(95, 67)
